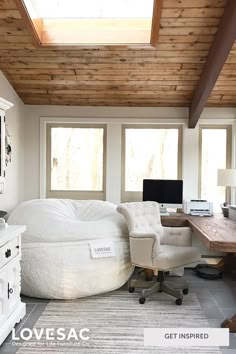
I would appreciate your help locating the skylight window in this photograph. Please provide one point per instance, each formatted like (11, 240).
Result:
(92, 8)
(93, 21)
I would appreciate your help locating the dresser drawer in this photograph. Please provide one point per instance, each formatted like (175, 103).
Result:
(9, 251)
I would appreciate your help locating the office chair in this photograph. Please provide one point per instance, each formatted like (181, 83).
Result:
(155, 247)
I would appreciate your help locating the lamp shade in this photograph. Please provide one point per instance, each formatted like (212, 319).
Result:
(226, 177)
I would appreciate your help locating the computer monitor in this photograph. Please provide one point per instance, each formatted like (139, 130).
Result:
(168, 193)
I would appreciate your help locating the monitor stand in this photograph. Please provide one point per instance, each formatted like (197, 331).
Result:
(164, 212)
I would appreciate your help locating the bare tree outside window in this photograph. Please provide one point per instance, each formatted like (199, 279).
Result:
(77, 159)
(150, 153)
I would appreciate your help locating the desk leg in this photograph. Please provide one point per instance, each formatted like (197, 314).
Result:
(148, 274)
(231, 324)
(230, 264)
(230, 267)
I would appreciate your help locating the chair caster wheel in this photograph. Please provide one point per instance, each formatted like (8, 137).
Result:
(185, 291)
(178, 301)
(131, 290)
(142, 300)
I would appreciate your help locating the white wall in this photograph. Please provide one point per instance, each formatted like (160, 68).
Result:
(14, 181)
(114, 117)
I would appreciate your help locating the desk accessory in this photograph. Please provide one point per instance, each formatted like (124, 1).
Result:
(207, 271)
(198, 207)
(227, 178)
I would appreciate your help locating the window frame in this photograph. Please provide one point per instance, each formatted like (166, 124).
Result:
(74, 194)
(134, 196)
(228, 128)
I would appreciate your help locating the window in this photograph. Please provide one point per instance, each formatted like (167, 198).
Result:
(92, 22)
(215, 152)
(149, 152)
(75, 161)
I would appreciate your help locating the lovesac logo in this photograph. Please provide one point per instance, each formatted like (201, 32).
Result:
(51, 334)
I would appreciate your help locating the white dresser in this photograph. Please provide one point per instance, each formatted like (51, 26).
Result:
(12, 310)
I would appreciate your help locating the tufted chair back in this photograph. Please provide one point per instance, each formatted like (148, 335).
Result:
(142, 217)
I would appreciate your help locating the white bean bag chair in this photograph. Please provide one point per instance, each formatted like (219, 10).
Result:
(57, 260)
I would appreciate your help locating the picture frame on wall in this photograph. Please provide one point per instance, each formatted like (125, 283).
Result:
(4, 106)
(2, 147)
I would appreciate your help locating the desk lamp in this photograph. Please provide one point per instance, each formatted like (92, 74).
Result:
(227, 178)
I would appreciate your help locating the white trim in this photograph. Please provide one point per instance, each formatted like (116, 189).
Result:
(4, 104)
(132, 196)
(44, 121)
(42, 159)
(233, 163)
(110, 120)
(143, 120)
(229, 158)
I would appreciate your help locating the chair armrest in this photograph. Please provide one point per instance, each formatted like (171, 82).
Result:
(144, 234)
(177, 236)
(144, 249)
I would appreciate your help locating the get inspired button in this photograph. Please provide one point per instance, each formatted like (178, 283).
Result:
(186, 337)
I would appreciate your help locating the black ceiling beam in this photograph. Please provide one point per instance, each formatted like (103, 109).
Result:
(217, 56)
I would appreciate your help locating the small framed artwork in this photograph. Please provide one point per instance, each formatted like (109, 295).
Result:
(2, 148)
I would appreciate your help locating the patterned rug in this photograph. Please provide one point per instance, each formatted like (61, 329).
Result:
(116, 321)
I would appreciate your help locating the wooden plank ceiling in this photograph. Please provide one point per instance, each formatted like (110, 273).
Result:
(119, 76)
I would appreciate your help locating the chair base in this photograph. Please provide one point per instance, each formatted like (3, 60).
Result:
(138, 281)
(159, 285)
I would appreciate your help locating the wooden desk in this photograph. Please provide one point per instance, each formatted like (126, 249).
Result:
(216, 232)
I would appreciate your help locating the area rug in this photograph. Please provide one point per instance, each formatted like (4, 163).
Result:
(116, 321)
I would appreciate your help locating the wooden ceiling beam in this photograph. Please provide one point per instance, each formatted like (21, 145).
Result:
(218, 53)
(34, 26)
(156, 19)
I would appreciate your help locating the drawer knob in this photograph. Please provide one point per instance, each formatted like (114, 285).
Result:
(10, 290)
(8, 253)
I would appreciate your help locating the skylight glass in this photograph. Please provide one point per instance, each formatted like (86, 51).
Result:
(92, 8)
(92, 21)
